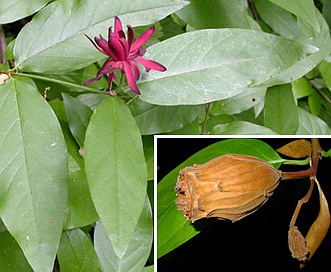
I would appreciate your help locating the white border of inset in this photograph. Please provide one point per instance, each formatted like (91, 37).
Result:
(156, 137)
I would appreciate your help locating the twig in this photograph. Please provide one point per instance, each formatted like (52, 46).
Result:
(3, 46)
(206, 118)
(311, 172)
(302, 201)
(322, 94)
(64, 83)
(304, 173)
(252, 7)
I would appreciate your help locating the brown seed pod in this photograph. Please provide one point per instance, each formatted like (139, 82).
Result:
(297, 244)
(228, 187)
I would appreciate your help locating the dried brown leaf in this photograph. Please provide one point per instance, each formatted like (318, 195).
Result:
(319, 228)
(296, 149)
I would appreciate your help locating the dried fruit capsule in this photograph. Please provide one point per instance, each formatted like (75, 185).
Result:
(228, 187)
(297, 244)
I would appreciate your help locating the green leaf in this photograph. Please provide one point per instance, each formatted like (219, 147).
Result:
(148, 142)
(92, 100)
(153, 119)
(214, 121)
(116, 170)
(311, 125)
(78, 115)
(80, 211)
(76, 252)
(305, 9)
(62, 24)
(170, 26)
(2, 226)
(280, 111)
(72, 146)
(138, 250)
(172, 227)
(11, 255)
(315, 103)
(11, 11)
(301, 88)
(280, 20)
(327, 11)
(221, 14)
(208, 65)
(322, 45)
(149, 268)
(241, 128)
(325, 70)
(193, 128)
(33, 172)
(238, 103)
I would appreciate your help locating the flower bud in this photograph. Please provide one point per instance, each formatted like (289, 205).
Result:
(228, 187)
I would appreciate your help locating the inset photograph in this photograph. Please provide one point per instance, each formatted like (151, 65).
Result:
(233, 204)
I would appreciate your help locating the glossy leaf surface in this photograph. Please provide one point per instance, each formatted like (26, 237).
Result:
(208, 65)
(138, 250)
(116, 170)
(11, 11)
(33, 165)
(280, 111)
(76, 252)
(54, 41)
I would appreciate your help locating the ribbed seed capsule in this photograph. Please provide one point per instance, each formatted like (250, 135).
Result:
(297, 244)
(228, 187)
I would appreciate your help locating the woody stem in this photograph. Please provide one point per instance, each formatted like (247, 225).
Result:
(311, 172)
(302, 201)
(304, 173)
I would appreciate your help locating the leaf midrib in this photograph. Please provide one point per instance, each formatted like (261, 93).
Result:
(25, 155)
(81, 32)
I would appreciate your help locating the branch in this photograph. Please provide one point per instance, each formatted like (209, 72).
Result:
(3, 46)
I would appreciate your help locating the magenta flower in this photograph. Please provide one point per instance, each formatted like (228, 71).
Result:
(123, 55)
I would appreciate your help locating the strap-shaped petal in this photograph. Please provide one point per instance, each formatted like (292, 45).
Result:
(117, 26)
(117, 48)
(150, 64)
(130, 77)
(135, 70)
(130, 36)
(143, 38)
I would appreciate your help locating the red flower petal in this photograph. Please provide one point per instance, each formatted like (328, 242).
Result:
(150, 64)
(125, 46)
(117, 48)
(103, 45)
(114, 66)
(95, 45)
(143, 38)
(130, 36)
(122, 55)
(117, 25)
(105, 67)
(135, 70)
(130, 77)
(90, 81)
